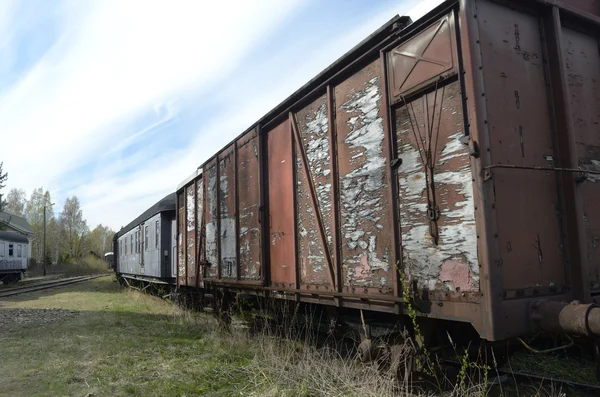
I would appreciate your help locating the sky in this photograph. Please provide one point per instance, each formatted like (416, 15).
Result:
(117, 101)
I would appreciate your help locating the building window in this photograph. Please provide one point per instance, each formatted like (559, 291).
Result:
(2, 249)
(11, 249)
(146, 238)
(156, 234)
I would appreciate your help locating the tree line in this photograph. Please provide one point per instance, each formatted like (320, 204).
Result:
(68, 236)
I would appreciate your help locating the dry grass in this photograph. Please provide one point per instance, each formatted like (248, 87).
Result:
(120, 342)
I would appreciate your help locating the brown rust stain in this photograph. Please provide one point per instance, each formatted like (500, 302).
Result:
(281, 205)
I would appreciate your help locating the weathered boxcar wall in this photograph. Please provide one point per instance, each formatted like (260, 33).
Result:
(582, 63)
(221, 207)
(521, 133)
(533, 107)
(436, 207)
(282, 248)
(365, 211)
(248, 183)
(314, 196)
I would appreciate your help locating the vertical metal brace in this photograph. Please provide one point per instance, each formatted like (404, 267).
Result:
(390, 137)
(196, 226)
(263, 205)
(178, 283)
(295, 206)
(313, 198)
(237, 211)
(218, 186)
(335, 191)
(567, 158)
(184, 234)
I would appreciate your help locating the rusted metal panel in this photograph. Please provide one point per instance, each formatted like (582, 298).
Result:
(281, 206)
(582, 62)
(527, 202)
(227, 216)
(180, 245)
(249, 207)
(314, 257)
(190, 233)
(430, 54)
(212, 220)
(200, 240)
(363, 179)
(439, 243)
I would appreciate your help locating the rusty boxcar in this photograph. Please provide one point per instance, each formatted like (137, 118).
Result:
(456, 158)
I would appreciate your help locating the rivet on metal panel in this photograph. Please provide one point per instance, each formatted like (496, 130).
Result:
(487, 175)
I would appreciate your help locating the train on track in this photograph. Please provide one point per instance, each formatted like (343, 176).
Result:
(450, 165)
(13, 256)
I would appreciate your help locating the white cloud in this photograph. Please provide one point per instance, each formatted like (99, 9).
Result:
(115, 60)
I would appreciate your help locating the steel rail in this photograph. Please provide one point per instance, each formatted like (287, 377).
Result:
(48, 285)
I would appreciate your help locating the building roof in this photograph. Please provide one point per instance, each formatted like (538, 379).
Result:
(16, 222)
(13, 237)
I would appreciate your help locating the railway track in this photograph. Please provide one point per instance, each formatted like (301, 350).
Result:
(47, 285)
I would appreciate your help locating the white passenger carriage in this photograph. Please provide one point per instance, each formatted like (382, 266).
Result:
(14, 249)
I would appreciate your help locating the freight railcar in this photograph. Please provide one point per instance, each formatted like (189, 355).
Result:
(144, 250)
(14, 248)
(452, 163)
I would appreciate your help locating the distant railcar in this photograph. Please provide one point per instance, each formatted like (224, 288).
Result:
(143, 248)
(13, 256)
(109, 259)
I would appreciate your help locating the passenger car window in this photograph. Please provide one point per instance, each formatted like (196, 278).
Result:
(19, 251)
(2, 248)
(156, 233)
(11, 249)
(146, 238)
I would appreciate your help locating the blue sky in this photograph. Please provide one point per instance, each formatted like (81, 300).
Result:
(118, 101)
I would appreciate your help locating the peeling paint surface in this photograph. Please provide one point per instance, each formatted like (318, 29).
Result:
(249, 203)
(191, 230)
(314, 129)
(366, 229)
(212, 238)
(227, 216)
(433, 265)
(582, 62)
(180, 247)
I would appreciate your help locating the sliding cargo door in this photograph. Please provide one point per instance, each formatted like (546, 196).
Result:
(435, 192)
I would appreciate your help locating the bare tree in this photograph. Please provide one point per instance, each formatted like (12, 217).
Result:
(16, 202)
(34, 211)
(73, 229)
(101, 239)
(3, 178)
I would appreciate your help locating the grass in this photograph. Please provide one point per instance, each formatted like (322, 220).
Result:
(119, 342)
